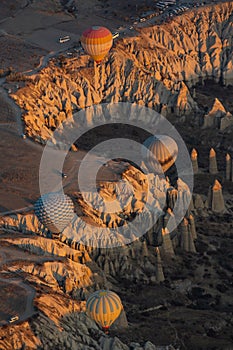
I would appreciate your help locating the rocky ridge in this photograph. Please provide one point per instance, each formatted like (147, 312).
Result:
(156, 69)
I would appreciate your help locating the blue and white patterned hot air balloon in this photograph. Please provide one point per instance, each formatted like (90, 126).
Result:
(54, 210)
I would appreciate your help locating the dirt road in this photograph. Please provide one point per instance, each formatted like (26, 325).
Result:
(29, 295)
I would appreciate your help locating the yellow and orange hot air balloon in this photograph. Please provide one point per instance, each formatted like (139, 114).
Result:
(97, 41)
(104, 307)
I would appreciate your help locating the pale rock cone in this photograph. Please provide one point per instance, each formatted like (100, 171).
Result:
(121, 322)
(213, 168)
(187, 243)
(198, 202)
(232, 170)
(228, 166)
(214, 115)
(192, 247)
(132, 253)
(172, 194)
(150, 235)
(175, 242)
(159, 267)
(184, 197)
(167, 248)
(166, 217)
(169, 221)
(192, 227)
(184, 235)
(215, 198)
(144, 249)
(194, 160)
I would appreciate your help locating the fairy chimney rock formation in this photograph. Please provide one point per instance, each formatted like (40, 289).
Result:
(159, 267)
(192, 226)
(213, 168)
(194, 160)
(214, 115)
(184, 103)
(166, 248)
(226, 121)
(172, 194)
(232, 170)
(228, 166)
(144, 249)
(166, 217)
(121, 322)
(215, 198)
(198, 202)
(169, 220)
(187, 243)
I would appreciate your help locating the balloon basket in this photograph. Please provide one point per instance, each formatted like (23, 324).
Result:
(106, 330)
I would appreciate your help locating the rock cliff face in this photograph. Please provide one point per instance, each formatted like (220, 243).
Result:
(152, 197)
(217, 116)
(74, 331)
(155, 69)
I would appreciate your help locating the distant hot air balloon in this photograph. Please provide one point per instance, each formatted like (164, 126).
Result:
(159, 151)
(104, 307)
(54, 210)
(97, 41)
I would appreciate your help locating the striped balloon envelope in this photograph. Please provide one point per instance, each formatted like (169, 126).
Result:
(104, 307)
(159, 153)
(97, 41)
(55, 211)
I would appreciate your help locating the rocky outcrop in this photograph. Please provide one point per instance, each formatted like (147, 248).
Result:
(228, 166)
(166, 249)
(194, 159)
(80, 332)
(154, 69)
(43, 246)
(84, 241)
(217, 116)
(226, 121)
(215, 198)
(67, 276)
(192, 227)
(28, 223)
(159, 267)
(187, 243)
(214, 115)
(65, 326)
(213, 168)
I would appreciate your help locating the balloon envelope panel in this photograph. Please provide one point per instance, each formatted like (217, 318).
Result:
(55, 211)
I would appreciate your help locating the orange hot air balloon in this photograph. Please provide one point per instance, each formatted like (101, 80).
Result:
(97, 41)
